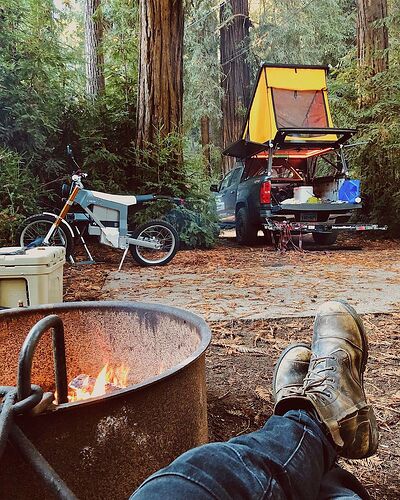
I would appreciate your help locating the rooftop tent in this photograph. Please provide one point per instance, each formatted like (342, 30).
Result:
(289, 110)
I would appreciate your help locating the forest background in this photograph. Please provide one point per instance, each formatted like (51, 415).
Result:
(75, 72)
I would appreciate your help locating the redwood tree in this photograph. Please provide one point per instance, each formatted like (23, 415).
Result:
(372, 35)
(160, 70)
(235, 79)
(94, 49)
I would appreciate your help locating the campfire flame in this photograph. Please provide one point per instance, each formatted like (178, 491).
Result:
(109, 379)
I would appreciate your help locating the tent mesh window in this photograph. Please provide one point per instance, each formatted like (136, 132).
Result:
(299, 108)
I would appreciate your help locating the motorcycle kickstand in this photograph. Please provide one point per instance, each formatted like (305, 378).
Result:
(91, 260)
(123, 258)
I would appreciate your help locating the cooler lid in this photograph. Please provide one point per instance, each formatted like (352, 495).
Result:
(39, 256)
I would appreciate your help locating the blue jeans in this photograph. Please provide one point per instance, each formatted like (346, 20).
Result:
(289, 458)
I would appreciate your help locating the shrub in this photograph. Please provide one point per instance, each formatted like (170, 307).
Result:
(19, 194)
(196, 221)
(197, 226)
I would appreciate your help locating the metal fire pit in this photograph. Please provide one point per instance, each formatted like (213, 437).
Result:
(104, 447)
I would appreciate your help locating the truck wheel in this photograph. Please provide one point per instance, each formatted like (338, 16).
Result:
(246, 233)
(325, 239)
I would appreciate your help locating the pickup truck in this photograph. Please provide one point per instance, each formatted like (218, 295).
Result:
(250, 200)
(291, 173)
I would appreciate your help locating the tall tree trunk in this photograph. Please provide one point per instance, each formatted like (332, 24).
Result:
(160, 70)
(372, 36)
(235, 80)
(205, 142)
(94, 49)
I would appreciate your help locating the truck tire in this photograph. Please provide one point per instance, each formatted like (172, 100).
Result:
(325, 239)
(246, 233)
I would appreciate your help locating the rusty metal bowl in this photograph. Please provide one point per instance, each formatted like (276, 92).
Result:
(105, 446)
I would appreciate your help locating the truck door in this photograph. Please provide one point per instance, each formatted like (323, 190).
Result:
(231, 194)
(226, 196)
(221, 196)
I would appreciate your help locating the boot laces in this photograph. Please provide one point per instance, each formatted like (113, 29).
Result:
(317, 379)
(292, 390)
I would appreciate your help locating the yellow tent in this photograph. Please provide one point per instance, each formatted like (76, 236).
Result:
(289, 114)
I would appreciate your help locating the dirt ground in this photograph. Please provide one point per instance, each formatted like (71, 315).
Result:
(241, 357)
(258, 283)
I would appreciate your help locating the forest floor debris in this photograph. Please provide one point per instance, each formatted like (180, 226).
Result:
(230, 282)
(243, 351)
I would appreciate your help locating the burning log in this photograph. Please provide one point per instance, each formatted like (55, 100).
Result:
(108, 380)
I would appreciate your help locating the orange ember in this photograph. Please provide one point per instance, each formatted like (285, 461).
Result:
(110, 378)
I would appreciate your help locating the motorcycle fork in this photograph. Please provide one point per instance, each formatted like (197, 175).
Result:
(61, 217)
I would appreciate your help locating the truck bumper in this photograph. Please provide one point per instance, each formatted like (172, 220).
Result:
(304, 227)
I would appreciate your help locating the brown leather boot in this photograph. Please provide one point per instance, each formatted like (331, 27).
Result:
(334, 383)
(287, 382)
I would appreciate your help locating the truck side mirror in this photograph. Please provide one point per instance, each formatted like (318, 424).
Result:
(214, 188)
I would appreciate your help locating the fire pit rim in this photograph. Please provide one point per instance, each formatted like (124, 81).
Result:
(187, 316)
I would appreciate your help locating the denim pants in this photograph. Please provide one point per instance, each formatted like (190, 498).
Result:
(289, 458)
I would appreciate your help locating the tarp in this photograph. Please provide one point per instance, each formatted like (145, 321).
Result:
(287, 97)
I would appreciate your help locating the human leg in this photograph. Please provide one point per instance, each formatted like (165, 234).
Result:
(291, 457)
(285, 459)
(339, 484)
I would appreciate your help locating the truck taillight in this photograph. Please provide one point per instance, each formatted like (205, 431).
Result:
(265, 192)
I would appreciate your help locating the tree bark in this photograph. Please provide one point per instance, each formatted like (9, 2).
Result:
(235, 79)
(372, 36)
(205, 143)
(160, 70)
(94, 55)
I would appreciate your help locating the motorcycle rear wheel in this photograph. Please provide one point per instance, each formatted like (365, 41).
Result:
(160, 231)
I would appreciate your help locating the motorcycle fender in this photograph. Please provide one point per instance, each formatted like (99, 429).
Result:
(63, 222)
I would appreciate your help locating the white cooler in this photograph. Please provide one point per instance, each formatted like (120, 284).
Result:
(33, 278)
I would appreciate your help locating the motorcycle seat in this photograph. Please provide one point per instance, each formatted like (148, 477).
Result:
(116, 198)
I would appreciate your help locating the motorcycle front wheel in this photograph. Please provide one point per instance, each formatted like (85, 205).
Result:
(37, 226)
(158, 232)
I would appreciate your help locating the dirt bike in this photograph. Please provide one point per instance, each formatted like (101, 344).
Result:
(105, 215)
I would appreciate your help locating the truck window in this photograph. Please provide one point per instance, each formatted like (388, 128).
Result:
(231, 178)
(237, 174)
(226, 181)
(328, 165)
(282, 168)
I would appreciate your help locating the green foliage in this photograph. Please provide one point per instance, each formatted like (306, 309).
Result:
(33, 82)
(196, 221)
(102, 132)
(102, 142)
(121, 42)
(372, 105)
(202, 75)
(159, 166)
(43, 106)
(197, 226)
(201, 66)
(311, 32)
(19, 194)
